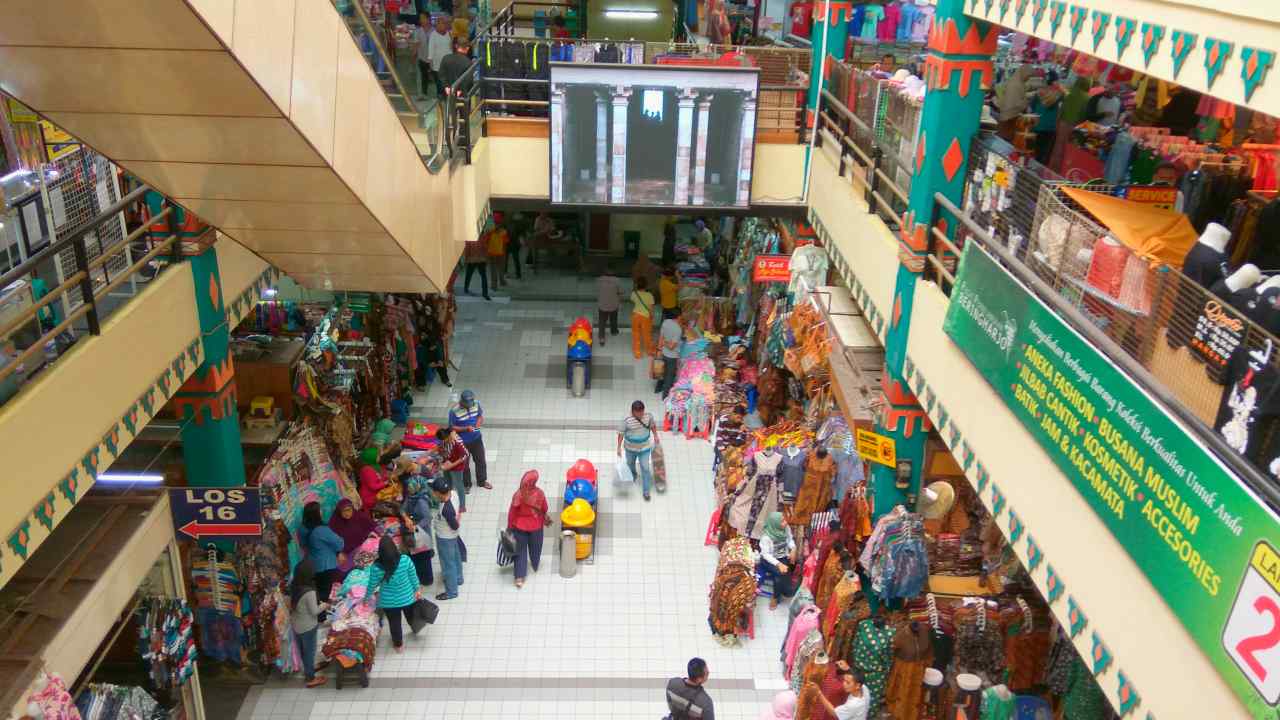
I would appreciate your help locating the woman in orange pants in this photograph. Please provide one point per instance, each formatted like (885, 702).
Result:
(641, 319)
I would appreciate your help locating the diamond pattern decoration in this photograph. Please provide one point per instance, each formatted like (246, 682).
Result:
(952, 159)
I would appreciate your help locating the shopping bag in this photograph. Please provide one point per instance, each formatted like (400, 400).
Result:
(421, 540)
(622, 473)
(422, 613)
(659, 468)
(713, 529)
(655, 370)
(506, 549)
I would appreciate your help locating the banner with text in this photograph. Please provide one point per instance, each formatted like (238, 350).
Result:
(1197, 532)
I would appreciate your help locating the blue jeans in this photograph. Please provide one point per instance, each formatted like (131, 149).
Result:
(450, 564)
(307, 649)
(459, 486)
(645, 474)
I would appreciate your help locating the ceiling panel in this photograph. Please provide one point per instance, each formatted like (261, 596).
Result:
(367, 283)
(316, 241)
(125, 138)
(105, 23)
(334, 264)
(150, 82)
(229, 215)
(264, 183)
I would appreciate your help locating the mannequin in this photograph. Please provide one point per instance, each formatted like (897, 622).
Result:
(792, 471)
(1217, 331)
(758, 496)
(808, 706)
(808, 270)
(817, 488)
(931, 703)
(1206, 261)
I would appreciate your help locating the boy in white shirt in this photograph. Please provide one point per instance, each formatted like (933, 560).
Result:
(858, 702)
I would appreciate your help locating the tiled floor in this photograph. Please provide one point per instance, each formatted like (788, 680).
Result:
(601, 643)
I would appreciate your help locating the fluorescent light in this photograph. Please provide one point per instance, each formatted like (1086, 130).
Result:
(269, 292)
(631, 14)
(126, 478)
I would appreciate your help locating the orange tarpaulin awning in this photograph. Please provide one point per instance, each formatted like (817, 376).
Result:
(1157, 235)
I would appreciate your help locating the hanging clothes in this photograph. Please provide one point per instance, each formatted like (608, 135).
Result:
(912, 652)
(895, 557)
(758, 497)
(166, 642)
(873, 655)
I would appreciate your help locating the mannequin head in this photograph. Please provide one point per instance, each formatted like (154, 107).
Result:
(1247, 276)
(1215, 236)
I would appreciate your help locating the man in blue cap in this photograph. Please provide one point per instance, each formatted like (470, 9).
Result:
(465, 418)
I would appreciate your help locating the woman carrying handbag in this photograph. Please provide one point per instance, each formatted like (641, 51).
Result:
(526, 519)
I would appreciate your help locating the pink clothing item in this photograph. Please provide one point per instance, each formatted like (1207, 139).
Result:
(887, 30)
(371, 481)
(807, 620)
(811, 572)
(54, 702)
(783, 707)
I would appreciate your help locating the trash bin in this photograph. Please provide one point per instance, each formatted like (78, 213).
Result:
(568, 554)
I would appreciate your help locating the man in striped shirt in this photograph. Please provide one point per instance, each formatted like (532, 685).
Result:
(465, 419)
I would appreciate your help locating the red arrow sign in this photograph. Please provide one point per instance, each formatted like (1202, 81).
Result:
(197, 530)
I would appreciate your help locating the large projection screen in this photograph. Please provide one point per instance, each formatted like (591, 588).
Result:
(653, 135)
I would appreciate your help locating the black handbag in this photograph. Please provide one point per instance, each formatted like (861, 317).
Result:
(421, 614)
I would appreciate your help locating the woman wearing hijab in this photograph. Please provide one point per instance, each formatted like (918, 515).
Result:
(1012, 101)
(353, 526)
(324, 548)
(782, 707)
(305, 618)
(776, 550)
(372, 479)
(396, 579)
(525, 519)
(417, 507)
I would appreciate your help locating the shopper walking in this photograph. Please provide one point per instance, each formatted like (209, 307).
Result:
(305, 618)
(324, 548)
(449, 545)
(496, 247)
(434, 356)
(641, 319)
(543, 226)
(475, 257)
(396, 579)
(670, 338)
(417, 508)
(518, 235)
(454, 460)
(637, 435)
(686, 697)
(608, 300)
(526, 518)
(669, 292)
(465, 419)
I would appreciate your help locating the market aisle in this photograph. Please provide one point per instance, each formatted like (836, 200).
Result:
(602, 642)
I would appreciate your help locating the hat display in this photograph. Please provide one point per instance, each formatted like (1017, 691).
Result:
(936, 500)
(580, 488)
(578, 514)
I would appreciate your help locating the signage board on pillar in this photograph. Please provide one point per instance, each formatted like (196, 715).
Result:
(216, 513)
(1197, 532)
(876, 448)
(665, 135)
(771, 268)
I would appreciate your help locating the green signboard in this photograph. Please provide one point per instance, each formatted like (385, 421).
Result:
(1202, 538)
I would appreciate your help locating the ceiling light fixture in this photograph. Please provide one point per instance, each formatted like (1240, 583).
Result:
(631, 14)
(130, 478)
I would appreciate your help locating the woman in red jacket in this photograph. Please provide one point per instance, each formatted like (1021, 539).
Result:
(525, 520)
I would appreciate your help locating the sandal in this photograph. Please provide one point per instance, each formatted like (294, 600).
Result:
(443, 596)
(317, 681)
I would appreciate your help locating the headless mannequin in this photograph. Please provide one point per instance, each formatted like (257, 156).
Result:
(1206, 260)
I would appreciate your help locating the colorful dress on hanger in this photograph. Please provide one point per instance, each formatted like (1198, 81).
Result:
(912, 650)
(758, 496)
(873, 655)
(816, 490)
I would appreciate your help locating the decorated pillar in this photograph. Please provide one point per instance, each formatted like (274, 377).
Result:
(833, 20)
(618, 185)
(700, 160)
(557, 143)
(957, 70)
(746, 146)
(206, 402)
(602, 148)
(684, 143)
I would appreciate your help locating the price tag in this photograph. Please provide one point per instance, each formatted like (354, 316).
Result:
(1252, 634)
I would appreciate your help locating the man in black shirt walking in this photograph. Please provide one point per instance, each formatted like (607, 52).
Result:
(686, 699)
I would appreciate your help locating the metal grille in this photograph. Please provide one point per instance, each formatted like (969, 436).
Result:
(1002, 189)
(79, 187)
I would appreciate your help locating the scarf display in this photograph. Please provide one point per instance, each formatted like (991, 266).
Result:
(51, 701)
(165, 641)
(100, 701)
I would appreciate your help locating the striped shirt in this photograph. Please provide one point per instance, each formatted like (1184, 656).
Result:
(637, 435)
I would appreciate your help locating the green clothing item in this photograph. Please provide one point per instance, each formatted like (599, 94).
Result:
(399, 590)
(995, 707)
(369, 456)
(51, 314)
(1072, 106)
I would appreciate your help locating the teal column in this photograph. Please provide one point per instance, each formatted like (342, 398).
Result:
(833, 18)
(206, 403)
(957, 70)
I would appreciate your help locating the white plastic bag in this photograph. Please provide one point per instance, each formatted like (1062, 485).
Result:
(622, 473)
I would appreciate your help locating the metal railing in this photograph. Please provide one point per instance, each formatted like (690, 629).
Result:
(428, 116)
(462, 113)
(508, 21)
(1164, 330)
(861, 157)
(86, 277)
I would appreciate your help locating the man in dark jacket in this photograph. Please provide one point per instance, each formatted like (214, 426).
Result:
(686, 699)
(455, 64)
